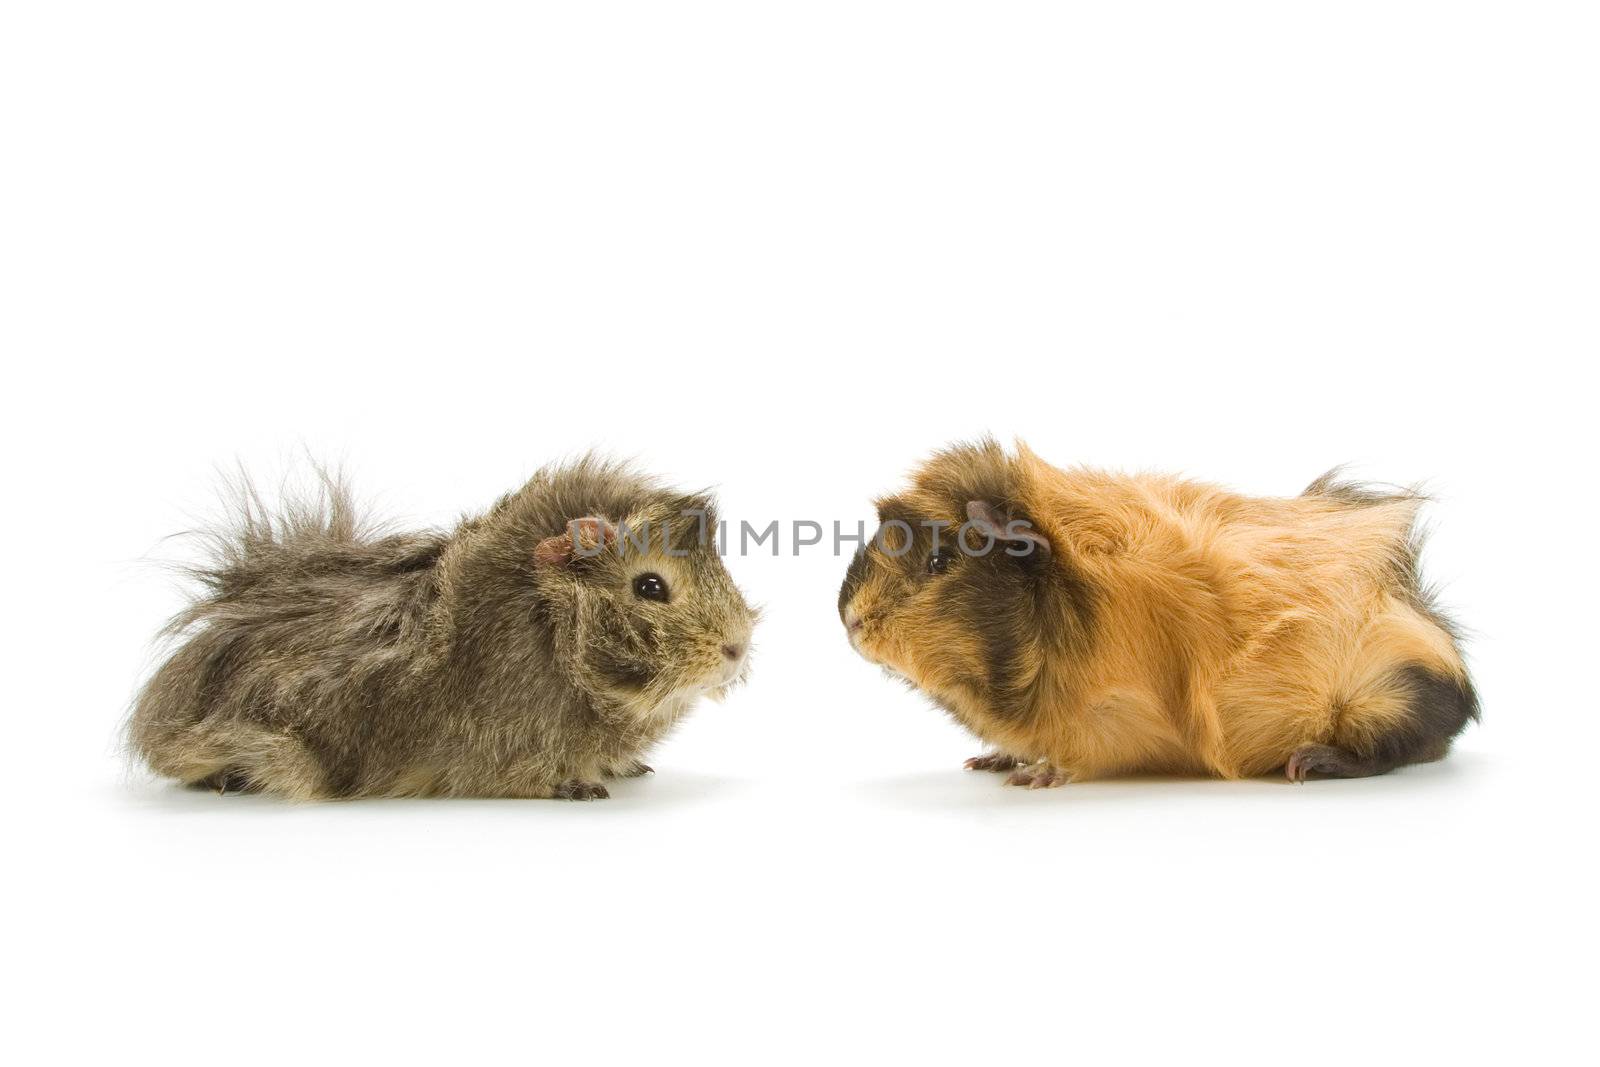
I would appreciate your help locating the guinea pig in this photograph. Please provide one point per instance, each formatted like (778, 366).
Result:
(530, 652)
(1088, 624)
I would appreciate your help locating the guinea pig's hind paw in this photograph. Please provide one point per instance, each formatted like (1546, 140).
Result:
(578, 789)
(1040, 775)
(993, 761)
(1326, 761)
(227, 783)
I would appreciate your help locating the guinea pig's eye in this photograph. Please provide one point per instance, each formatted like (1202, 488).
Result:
(939, 562)
(650, 587)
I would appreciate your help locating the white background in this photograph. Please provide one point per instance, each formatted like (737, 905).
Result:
(785, 252)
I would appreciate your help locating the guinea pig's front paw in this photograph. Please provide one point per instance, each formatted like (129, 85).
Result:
(993, 761)
(1040, 775)
(632, 769)
(578, 789)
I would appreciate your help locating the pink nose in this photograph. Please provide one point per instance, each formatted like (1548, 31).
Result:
(733, 651)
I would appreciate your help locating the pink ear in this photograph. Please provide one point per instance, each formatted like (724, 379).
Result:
(1014, 534)
(587, 536)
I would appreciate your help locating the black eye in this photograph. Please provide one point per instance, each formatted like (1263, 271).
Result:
(938, 563)
(650, 587)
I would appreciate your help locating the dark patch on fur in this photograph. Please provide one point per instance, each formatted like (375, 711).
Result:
(853, 577)
(623, 673)
(340, 764)
(1441, 706)
(1009, 603)
(995, 598)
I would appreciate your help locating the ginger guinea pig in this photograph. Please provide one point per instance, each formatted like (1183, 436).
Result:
(530, 652)
(1087, 624)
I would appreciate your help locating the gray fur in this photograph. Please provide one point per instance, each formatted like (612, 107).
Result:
(324, 658)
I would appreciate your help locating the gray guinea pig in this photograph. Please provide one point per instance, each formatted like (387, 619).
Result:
(530, 652)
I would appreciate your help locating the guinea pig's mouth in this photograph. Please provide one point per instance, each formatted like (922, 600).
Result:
(855, 630)
(865, 638)
(729, 674)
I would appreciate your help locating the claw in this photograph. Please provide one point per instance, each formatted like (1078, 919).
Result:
(992, 761)
(580, 790)
(232, 783)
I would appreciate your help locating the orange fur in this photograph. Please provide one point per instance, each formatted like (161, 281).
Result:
(1183, 628)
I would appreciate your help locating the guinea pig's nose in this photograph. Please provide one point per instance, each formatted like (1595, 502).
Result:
(733, 651)
(852, 622)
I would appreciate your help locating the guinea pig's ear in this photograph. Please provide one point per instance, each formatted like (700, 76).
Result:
(587, 536)
(1017, 535)
(691, 521)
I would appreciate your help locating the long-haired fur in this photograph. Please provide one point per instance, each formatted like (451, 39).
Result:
(1164, 625)
(325, 657)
